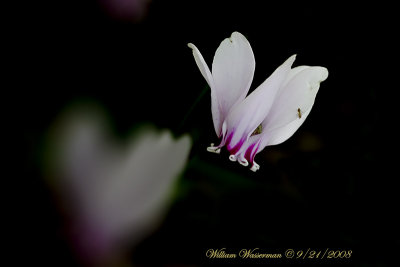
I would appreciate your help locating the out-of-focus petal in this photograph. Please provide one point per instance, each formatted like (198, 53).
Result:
(116, 192)
(127, 10)
(205, 71)
(233, 69)
(248, 115)
(136, 198)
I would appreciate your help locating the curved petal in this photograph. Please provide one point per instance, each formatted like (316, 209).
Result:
(249, 150)
(257, 143)
(202, 65)
(292, 73)
(297, 95)
(292, 105)
(205, 71)
(114, 192)
(251, 112)
(299, 90)
(280, 135)
(134, 198)
(131, 194)
(233, 69)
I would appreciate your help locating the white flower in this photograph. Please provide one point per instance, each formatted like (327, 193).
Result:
(116, 193)
(270, 114)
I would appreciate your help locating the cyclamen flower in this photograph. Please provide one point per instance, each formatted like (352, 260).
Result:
(118, 194)
(270, 114)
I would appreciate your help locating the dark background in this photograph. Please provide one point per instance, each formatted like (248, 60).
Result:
(330, 185)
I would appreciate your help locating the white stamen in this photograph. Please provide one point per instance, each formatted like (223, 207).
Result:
(232, 157)
(255, 167)
(213, 149)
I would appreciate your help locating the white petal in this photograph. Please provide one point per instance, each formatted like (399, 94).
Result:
(293, 72)
(81, 153)
(114, 191)
(257, 143)
(250, 149)
(205, 71)
(202, 65)
(280, 135)
(298, 94)
(299, 89)
(233, 69)
(248, 115)
(136, 195)
(292, 105)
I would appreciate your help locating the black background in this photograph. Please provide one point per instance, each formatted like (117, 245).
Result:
(341, 194)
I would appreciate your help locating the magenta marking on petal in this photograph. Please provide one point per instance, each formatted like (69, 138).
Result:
(228, 140)
(251, 152)
(247, 155)
(253, 155)
(236, 148)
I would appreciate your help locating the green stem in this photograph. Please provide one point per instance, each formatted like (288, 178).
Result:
(192, 107)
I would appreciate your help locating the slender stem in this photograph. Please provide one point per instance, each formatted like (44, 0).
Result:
(192, 107)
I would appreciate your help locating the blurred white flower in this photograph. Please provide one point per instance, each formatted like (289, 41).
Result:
(270, 114)
(116, 194)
